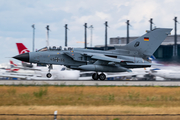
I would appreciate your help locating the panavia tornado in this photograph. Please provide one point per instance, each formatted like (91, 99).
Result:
(136, 54)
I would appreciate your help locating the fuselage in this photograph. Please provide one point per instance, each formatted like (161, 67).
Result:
(81, 59)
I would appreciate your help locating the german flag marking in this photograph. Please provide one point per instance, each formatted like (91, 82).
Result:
(146, 39)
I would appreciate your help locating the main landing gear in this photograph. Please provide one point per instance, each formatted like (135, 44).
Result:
(49, 75)
(95, 76)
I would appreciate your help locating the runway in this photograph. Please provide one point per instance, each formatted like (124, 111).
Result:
(91, 83)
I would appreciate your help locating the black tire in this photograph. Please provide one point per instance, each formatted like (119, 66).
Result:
(95, 76)
(48, 75)
(102, 76)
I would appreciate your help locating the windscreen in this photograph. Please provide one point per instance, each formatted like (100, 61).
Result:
(43, 49)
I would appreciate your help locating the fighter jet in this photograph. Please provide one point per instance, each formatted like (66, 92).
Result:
(136, 54)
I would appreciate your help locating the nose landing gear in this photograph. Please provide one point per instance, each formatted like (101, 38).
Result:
(49, 75)
(102, 76)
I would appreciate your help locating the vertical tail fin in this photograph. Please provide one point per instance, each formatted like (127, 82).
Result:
(21, 48)
(147, 44)
(12, 64)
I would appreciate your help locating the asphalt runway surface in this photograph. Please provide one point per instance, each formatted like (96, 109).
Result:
(90, 83)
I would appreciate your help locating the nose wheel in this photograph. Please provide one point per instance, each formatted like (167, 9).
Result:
(102, 76)
(48, 75)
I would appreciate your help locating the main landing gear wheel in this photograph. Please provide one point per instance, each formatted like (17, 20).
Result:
(102, 76)
(95, 76)
(48, 75)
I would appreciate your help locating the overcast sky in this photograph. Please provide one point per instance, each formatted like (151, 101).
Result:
(17, 16)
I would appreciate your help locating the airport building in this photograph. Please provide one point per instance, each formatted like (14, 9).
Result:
(165, 50)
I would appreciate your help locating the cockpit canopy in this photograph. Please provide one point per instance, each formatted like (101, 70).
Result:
(55, 48)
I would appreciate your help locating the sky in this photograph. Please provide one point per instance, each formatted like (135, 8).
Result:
(17, 17)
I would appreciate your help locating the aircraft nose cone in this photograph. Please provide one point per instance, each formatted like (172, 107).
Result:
(23, 57)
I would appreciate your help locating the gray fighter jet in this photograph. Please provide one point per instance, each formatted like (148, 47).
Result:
(136, 54)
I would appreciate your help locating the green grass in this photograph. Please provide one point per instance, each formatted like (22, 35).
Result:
(11, 91)
(133, 95)
(111, 97)
(81, 95)
(41, 92)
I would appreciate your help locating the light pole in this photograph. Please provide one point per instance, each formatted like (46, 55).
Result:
(151, 23)
(85, 36)
(127, 41)
(66, 27)
(33, 26)
(175, 37)
(106, 25)
(91, 28)
(47, 27)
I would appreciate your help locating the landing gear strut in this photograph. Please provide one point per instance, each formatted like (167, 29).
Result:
(102, 76)
(49, 75)
(95, 76)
